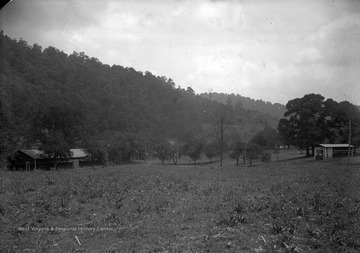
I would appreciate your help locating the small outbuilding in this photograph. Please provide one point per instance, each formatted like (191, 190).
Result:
(329, 151)
(32, 159)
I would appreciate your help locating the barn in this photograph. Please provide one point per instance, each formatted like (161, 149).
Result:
(329, 151)
(32, 159)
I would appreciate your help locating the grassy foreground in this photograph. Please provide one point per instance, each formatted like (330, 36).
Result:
(294, 206)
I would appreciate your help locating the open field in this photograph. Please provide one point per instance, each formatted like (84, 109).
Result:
(290, 206)
(283, 154)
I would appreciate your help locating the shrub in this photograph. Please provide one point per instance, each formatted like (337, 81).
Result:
(266, 158)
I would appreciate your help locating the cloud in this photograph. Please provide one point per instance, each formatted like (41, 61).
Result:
(336, 40)
(47, 22)
(69, 14)
(270, 50)
(308, 56)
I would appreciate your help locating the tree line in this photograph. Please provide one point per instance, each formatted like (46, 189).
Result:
(272, 110)
(54, 101)
(311, 120)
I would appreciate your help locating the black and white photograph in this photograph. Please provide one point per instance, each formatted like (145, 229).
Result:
(166, 126)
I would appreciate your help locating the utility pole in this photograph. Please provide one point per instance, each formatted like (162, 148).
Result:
(245, 150)
(177, 154)
(145, 153)
(348, 160)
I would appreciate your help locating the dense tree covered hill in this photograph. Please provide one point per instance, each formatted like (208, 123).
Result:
(112, 98)
(275, 110)
(105, 100)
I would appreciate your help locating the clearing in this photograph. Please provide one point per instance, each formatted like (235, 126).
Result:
(296, 205)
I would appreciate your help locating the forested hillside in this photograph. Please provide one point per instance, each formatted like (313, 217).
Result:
(44, 90)
(275, 110)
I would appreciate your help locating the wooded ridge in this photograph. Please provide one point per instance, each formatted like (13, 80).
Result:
(102, 101)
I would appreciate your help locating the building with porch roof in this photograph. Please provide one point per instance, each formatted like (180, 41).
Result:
(32, 159)
(329, 151)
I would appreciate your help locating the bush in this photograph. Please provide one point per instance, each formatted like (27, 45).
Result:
(254, 152)
(266, 158)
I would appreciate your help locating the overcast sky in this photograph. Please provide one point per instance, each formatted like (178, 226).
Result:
(270, 50)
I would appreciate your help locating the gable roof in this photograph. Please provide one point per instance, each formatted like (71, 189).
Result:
(33, 153)
(336, 145)
(38, 154)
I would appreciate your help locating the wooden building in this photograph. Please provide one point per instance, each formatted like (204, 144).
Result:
(32, 159)
(329, 151)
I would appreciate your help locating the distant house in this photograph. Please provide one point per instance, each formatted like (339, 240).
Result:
(32, 159)
(329, 151)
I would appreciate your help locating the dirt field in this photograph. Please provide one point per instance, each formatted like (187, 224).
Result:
(290, 206)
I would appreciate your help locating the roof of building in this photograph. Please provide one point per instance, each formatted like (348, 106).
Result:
(33, 153)
(336, 145)
(38, 154)
(78, 153)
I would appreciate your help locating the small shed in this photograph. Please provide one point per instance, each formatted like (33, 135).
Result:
(329, 151)
(30, 159)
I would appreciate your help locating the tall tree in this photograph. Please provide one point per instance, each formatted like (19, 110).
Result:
(95, 150)
(59, 128)
(311, 120)
(211, 150)
(266, 138)
(347, 111)
(304, 121)
(237, 150)
(162, 150)
(224, 117)
(253, 152)
(193, 147)
(8, 138)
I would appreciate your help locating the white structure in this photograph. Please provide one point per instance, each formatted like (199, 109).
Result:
(327, 151)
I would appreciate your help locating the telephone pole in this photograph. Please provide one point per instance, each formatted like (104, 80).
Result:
(245, 150)
(349, 148)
